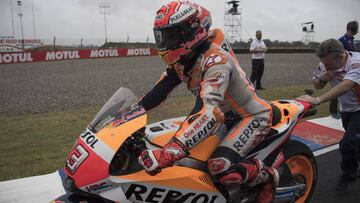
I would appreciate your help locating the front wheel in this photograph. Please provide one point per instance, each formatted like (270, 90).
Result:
(302, 165)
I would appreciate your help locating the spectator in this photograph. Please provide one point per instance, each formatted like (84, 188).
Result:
(342, 69)
(352, 28)
(348, 42)
(257, 49)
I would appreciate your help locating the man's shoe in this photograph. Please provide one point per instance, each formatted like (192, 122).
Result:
(336, 115)
(260, 88)
(342, 186)
(344, 183)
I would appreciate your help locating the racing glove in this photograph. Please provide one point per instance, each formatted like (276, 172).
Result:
(155, 160)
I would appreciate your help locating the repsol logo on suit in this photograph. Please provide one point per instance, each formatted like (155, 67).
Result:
(206, 128)
(245, 135)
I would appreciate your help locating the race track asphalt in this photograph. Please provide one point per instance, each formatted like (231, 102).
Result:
(63, 85)
(329, 172)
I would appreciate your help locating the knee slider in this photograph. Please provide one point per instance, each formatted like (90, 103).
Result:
(218, 165)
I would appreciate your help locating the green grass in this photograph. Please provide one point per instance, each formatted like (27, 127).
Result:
(35, 144)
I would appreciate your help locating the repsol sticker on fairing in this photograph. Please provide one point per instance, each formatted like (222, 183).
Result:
(89, 138)
(155, 194)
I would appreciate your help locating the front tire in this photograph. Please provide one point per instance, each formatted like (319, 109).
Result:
(302, 165)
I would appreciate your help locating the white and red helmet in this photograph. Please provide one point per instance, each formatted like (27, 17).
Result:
(179, 27)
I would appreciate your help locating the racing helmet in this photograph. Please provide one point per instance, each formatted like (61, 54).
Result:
(179, 27)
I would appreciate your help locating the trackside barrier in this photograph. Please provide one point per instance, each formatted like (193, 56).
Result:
(37, 56)
(277, 50)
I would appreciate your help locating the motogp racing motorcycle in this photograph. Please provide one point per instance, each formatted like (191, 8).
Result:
(103, 164)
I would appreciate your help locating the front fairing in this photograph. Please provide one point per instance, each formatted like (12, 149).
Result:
(88, 162)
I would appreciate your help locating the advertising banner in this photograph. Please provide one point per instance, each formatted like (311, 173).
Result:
(10, 44)
(36, 56)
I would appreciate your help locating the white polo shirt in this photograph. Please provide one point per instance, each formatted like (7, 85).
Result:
(256, 45)
(350, 101)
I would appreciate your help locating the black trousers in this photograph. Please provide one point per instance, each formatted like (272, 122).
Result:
(349, 145)
(334, 107)
(257, 71)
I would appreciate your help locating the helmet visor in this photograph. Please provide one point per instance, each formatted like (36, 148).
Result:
(167, 38)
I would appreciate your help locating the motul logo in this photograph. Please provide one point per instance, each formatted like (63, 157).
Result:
(139, 52)
(61, 55)
(104, 53)
(15, 57)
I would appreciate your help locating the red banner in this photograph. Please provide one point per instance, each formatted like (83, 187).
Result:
(36, 56)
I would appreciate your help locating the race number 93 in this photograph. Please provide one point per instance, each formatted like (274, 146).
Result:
(76, 158)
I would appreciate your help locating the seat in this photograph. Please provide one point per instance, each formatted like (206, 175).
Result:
(276, 115)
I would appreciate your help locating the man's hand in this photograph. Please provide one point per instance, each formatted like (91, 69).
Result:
(328, 75)
(310, 99)
(259, 50)
(155, 160)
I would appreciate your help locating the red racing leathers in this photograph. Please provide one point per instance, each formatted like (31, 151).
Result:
(224, 95)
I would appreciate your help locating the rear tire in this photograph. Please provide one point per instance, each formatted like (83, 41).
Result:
(302, 165)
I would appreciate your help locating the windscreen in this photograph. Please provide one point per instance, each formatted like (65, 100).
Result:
(114, 108)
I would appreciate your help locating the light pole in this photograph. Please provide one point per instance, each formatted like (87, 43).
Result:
(12, 19)
(32, 8)
(104, 10)
(19, 3)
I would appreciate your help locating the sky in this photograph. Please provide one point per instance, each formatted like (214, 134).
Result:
(75, 19)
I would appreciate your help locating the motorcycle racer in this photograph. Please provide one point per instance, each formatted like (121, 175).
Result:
(226, 104)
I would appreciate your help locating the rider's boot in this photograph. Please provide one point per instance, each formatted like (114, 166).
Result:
(242, 172)
(252, 172)
(267, 193)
